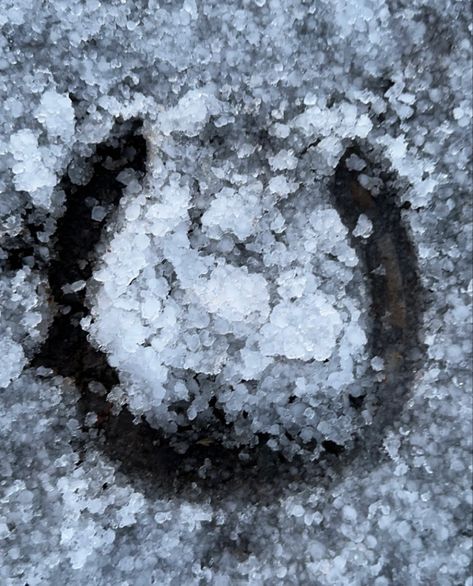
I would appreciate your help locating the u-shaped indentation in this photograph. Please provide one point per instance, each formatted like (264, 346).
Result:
(146, 454)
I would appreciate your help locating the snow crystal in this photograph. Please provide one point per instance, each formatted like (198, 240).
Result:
(377, 363)
(13, 361)
(98, 213)
(191, 112)
(56, 113)
(30, 169)
(302, 330)
(234, 212)
(364, 227)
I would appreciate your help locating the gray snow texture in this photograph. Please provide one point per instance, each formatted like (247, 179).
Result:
(235, 292)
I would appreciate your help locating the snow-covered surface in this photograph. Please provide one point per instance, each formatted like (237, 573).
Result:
(228, 264)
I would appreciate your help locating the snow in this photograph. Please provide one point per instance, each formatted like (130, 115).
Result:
(14, 361)
(56, 113)
(278, 433)
(234, 212)
(364, 227)
(302, 330)
(236, 305)
(30, 169)
(233, 294)
(190, 113)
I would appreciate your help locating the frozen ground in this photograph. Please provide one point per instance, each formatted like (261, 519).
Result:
(235, 287)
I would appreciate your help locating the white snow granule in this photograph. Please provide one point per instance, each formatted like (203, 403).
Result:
(30, 167)
(364, 227)
(56, 113)
(13, 361)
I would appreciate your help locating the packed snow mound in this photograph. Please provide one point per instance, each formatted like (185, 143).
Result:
(232, 295)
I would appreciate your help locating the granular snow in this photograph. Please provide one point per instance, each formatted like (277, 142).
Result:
(250, 385)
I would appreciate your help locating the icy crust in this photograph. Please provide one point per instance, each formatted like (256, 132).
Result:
(216, 290)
